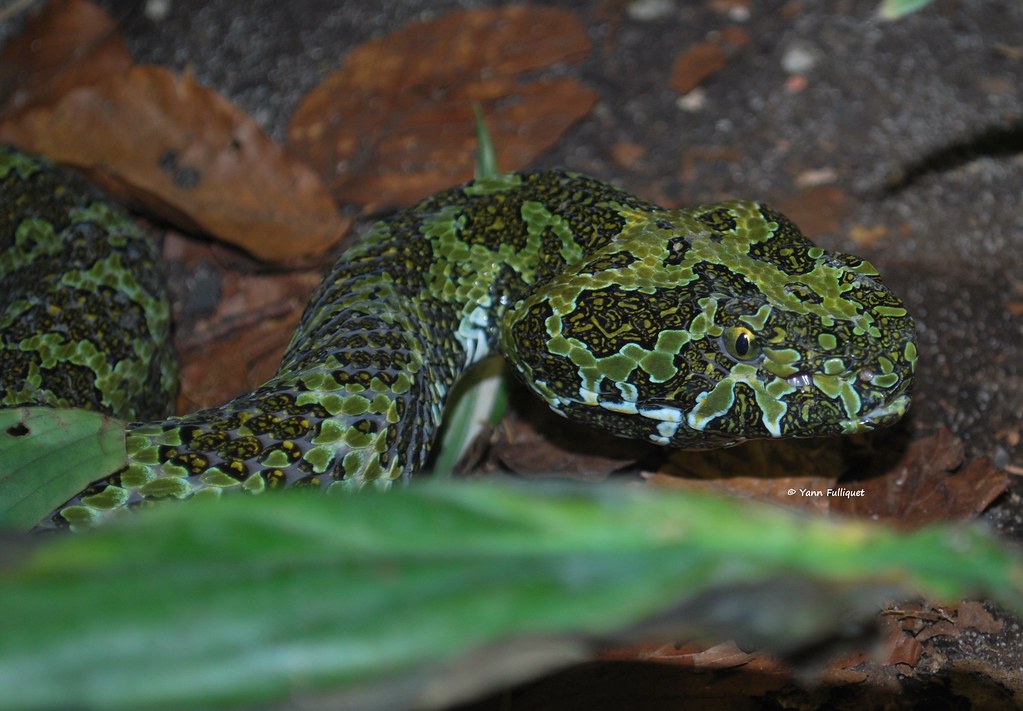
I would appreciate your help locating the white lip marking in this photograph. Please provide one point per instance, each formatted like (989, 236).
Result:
(799, 380)
(662, 414)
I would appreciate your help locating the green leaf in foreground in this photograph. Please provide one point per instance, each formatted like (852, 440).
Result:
(47, 456)
(372, 598)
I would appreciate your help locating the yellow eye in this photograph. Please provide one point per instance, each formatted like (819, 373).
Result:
(740, 343)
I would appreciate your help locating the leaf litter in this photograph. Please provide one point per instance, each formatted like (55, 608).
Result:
(191, 157)
(395, 124)
(158, 139)
(67, 44)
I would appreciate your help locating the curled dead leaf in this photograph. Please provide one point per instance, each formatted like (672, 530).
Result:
(190, 156)
(233, 320)
(68, 43)
(818, 210)
(395, 122)
(928, 483)
(535, 442)
(704, 59)
(796, 473)
(696, 64)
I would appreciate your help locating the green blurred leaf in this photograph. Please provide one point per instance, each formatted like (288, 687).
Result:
(486, 157)
(894, 9)
(47, 456)
(371, 597)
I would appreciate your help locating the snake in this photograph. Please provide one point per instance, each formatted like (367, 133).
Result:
(693, 328)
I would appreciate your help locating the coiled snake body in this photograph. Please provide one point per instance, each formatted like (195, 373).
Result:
(696, 328)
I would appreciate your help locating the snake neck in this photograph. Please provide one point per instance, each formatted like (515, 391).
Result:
(361, 390)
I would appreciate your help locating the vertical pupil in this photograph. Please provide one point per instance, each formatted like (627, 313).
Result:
(742, 344)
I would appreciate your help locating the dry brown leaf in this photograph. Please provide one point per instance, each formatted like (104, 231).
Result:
(68, 43)
(190, 156)
(797, 473)
(865, 236)
(627, 154)
(533, 441)
(903, 649)
(552, 446)
(928, 484)
(232, 338)
(395, 123)
(846, 670)
(233, 364)
(925, 623)
(695, 64)
(726, 655)
(972, 615)
(818, 210)
(705, 59)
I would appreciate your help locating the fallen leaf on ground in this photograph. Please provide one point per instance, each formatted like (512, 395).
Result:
(704, 59)
(818, 210)
(919, 623)
(191, 157)
(233, 364)
(695, 64)
(972, 615)
(726, 655)
(68, 43)
(796, 473)
(627, 154)
(543, 444)
(928, 483)
(865, 236)
(900, 644)
(395, 123)
(233, 340)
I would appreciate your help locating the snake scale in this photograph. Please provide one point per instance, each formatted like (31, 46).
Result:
(693, 328)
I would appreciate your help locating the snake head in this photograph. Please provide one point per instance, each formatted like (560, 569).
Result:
(710, 326)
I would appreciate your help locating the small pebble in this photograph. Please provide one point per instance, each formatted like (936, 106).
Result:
(647, 10)
(157, 10)
(799, 58)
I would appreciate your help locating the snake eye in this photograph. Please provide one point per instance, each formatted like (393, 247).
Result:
(740, 343)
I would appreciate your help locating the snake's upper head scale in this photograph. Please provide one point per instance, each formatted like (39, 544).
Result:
(712, 325)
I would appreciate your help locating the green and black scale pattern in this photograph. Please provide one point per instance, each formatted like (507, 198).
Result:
(696, 328)
(84, 316)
